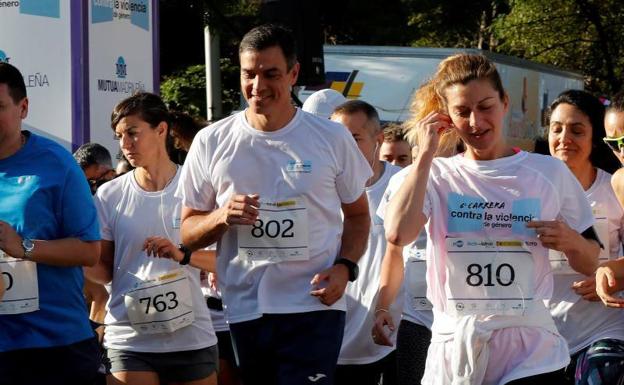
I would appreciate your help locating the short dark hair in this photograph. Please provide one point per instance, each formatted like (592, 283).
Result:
(271, 35)
(13, 78)
(149, 107)
(617, 103)
(93, 154)
(354, 106)
(601, 155)
(394, 133)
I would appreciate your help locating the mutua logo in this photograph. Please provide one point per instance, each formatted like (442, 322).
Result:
(3, 57)
(121, 68)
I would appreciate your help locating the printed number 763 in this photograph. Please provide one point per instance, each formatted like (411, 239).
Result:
(159, 303)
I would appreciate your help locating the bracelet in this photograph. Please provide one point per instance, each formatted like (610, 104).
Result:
(382, 310)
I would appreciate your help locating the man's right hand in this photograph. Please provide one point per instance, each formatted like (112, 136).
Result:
(241, 209)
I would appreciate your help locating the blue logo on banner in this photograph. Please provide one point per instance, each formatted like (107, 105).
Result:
(46, 8)
(465, 213)
(121, 68)
(139, 12)
(101, 11)
(3, 57)
(524, 211)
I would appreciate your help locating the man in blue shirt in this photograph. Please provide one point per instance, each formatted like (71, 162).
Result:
(48, 231)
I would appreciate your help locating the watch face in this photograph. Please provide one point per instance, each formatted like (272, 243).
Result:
(28, 244)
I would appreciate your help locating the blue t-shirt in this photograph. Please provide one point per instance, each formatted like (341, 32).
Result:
(44, 195)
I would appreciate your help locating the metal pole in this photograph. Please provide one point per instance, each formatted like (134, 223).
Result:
(213, 76)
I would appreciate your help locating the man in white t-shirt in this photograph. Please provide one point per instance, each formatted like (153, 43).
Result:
(361, 360)
(268, 184)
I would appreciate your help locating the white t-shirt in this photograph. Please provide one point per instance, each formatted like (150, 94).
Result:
(358, 347)
(493, 200)
(579, 321)
(414, 303)
(310, 157)
(128, 215)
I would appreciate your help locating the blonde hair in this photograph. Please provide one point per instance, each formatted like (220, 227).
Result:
(457, 69)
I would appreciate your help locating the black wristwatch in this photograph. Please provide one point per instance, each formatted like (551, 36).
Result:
(187, 254)
(354, 270)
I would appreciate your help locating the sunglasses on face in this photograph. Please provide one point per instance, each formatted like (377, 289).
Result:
(615, 143)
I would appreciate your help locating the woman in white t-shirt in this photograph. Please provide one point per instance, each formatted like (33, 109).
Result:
(404, 268)
(158, 328)
(595, 334)
(491, 213)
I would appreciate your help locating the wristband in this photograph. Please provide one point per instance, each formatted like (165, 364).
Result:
(187, 254)
(382, 310)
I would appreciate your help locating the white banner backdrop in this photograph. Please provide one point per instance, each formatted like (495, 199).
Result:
(120, 59)
(35, 36)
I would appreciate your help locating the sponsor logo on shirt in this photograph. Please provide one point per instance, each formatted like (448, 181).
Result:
(303, 166)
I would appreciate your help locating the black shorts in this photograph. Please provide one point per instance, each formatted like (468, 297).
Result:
(183, 366)
(226, 349)
(75, 364)
(289, 349)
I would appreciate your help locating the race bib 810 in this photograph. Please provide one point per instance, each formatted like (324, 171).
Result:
(488, 277)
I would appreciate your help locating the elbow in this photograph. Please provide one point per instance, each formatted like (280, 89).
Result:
(395, 237)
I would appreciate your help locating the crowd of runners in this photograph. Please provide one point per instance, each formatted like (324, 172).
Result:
(317, 245)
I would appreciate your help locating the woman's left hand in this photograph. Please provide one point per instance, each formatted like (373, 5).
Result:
(162, 248)
(556, 235)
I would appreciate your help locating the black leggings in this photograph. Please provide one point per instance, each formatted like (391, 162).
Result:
(551, 378)
(412, 345)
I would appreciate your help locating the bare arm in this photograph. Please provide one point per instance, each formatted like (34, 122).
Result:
(163, 248)
(392, 273)
(610, 280)
(354, 239)
(404, 217)
(58, 252)
(203, 228)
(617, 182)
(102, 272)
(357, 224)
(582, 253)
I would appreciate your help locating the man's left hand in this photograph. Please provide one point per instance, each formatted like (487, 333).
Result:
(337, 278)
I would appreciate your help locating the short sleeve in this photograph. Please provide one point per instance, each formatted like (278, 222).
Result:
(393, 185)
(574, 208)
(195, 188)
(353, 169)
(79, 216)
(105, 216)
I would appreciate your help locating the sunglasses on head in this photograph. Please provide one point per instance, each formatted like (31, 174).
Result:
(615, 143)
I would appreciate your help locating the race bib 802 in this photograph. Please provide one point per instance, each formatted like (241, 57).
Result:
(279, 234)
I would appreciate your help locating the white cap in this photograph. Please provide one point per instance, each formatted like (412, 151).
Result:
(322, 103)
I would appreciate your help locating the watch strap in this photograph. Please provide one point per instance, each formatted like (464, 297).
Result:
(187, 254)
(351, 266)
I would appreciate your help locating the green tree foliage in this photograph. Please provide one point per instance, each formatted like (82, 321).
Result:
(184, 85)
(580, 35)
(453, 23)
(185, 90)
